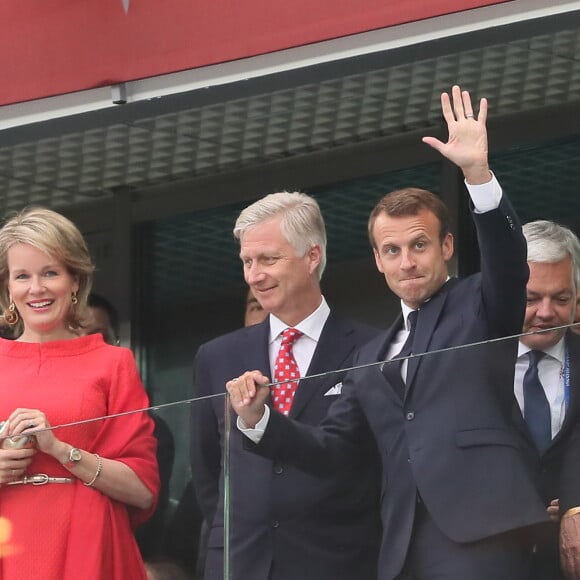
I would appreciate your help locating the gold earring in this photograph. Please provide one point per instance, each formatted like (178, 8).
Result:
(11, 315)
(74, 299)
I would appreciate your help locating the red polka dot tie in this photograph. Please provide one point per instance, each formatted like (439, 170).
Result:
(285, 369)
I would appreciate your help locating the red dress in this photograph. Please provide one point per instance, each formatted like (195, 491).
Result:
(70, 531)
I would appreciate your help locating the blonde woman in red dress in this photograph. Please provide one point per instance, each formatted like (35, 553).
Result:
(70, 502)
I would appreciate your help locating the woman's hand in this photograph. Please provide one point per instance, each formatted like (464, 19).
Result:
(115, 479)
(31, 422)
(13, 464)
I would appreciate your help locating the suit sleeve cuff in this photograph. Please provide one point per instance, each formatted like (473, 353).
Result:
(255, 435)
(486, 196)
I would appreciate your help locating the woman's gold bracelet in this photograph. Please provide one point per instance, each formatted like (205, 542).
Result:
(97, 473)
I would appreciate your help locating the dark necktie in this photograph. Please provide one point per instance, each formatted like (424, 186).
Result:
(536, 406)
(392, 370)
(286, 368)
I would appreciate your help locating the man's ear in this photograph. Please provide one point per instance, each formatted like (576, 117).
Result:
(447, 247)
(378, 261)
(314, 258)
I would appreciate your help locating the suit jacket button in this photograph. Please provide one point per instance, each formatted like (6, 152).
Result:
(275, 524)
(278, 469)
(410, 416)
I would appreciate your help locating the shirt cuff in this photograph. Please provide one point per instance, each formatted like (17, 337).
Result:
(255, 435)
(485, 196)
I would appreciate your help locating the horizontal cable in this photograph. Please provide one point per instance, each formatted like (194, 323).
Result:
(313, 376)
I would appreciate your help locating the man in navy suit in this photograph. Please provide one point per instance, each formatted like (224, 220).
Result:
(547, 416)
(458, 500)
(285, 524)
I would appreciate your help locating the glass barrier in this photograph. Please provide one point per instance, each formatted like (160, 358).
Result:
(452, 435)
(445, 434)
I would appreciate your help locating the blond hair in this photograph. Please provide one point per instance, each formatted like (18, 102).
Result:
(56, 236)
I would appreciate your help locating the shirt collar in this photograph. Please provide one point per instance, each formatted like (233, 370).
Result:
(406, 310)
(557, 351)
(311, 326)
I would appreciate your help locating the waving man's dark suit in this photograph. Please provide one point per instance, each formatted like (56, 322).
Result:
(451, 440)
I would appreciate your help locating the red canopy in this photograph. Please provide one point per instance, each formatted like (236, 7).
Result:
(51, 47)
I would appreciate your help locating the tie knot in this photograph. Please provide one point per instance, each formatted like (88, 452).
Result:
(290, 336)
(535, 357)
(412, 319)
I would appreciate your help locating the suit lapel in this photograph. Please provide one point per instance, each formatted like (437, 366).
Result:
(573, 352)
(573, 346)
(518, 419)
(334, 346)
(255, 348)
(429, 315)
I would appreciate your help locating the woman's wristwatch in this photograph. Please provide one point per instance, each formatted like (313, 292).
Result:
(74, 456)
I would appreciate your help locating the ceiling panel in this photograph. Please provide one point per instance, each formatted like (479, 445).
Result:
(77, 167)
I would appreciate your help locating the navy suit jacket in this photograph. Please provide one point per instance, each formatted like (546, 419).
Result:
(286, 524)
(548, 465)
(451, 439)
(557, 468)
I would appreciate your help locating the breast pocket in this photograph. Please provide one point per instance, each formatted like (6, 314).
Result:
(481, 437)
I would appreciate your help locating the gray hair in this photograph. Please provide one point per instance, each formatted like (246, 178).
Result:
(550, 242)
(302, 222)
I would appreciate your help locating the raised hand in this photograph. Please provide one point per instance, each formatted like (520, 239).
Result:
(467, 143)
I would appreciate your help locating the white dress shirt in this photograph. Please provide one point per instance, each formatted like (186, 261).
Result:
(485, 196)
(303, 350)
(400, 339)
(551, 373)
(304, 347)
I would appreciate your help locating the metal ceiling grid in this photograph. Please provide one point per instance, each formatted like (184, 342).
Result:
(77, 167)
(543, 181)
(346, 207)
(195, 255)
